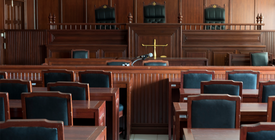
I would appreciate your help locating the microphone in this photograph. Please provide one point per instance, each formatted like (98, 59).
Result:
(145, 56)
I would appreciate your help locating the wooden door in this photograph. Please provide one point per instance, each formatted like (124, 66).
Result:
(14, 14)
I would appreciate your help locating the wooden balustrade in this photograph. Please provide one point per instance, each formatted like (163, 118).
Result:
(87, 26)
(221, 26)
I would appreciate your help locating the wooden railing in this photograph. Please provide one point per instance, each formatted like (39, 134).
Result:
(87, 26)
(222, 26)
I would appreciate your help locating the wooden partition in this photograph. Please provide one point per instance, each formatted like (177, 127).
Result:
(149, 91)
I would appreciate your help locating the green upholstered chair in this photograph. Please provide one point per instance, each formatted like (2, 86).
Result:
(105, 14)
(79, 91)
(54, 75)
(31, 129)
(80, 53)
(249, 78)
(214, 14)
(271, 109)
(229, 87)
(213, 111)
(119, 62)
(155, 63)
(266, 89)
(4, 107)
(193, 78)
(259, 131)
(51, 105)
(154, 13)
(3, 75)
(259, 59)
(15, 87)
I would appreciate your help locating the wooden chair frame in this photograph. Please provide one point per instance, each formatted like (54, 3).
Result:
(256, 128)
(18, 81)
(56, 71)
(229, 82)
(155, 61)
(109, 73)
(5, 74)
(119, 60)
(244, 71)
(269, 108)
(270, 58)
(35, 123)
(194, 71)
(5, 96)
(75, 50)
(75, 84)
(261, 86)
(49, 94)
(214, 97)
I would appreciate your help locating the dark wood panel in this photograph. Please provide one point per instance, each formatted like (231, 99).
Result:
(25, 47)
(237, 11)
(266, 7)
(123, 8)
(74, 11)
(268, 39)
(1, 48)
(192, 11)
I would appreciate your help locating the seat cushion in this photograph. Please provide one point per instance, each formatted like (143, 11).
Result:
(273, 112)
(2, 109)
(261, 135)
(116, 63)
(249, 80)
(14, 89)
(222, 89)
(121, 107)
(80, 54)
(1, 76)
(105, 15)
(28, 133)
(268, 90)
(95, 80)
(259, 59)
(155, 64)
(54, 77)
(193, 80)
(78, 93)
(213, 114)
(154, 14)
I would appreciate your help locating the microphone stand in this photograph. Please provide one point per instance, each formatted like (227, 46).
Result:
(136, 61)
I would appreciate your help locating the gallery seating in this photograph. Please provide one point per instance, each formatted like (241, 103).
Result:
(96, 78)
(271, 109)
(4, 106)
(51, 105)
(14, 87)
(266, 89)
(31, 129)
(155, 63)
(54, 75)
(259, 131)
(249, 78)
(213, 111)
(193, 78)
(119, 62)
(3, 75)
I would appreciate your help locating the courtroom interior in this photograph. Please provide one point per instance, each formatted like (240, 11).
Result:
(137, 69)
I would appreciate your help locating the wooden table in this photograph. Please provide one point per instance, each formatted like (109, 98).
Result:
(175, 93)
(211, 134)
(111, 96)
(85, 132)
(250, 112)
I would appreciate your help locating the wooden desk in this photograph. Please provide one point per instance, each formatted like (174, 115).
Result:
(250, 112)
(211, 134)
(85, 132)
(111, 96)
(175, 93)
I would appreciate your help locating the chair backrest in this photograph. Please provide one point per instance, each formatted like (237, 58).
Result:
(154, 13)
(3, 75)
(80, 53)
(30, 129)
(79, 91)
(96, 78)
(15, 87)
(105, 14)
(259, 59)
(249, 78)
(4, 106)
(193, 78)
(119, 62)
(214, 14)
(266, 89)
(259, 131)
(51, 105)
(54, 75)
(222, 87)
(213, 111)
(271, 109)
(155, 63)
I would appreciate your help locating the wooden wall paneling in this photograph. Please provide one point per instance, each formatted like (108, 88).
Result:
(268, 39)
(2, 13)
(243, 11)
(266, 7)
(1, 47)
(44, 8)
(220, 3)
(19, 51)
(219, 55)
(74, 11)
(92, 5)
(29, 14)
(123, 8)
(171, 9)
(192, 11)
(114, 52)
